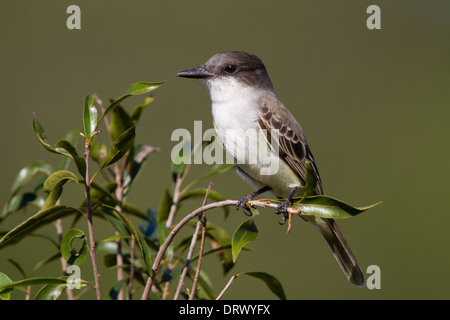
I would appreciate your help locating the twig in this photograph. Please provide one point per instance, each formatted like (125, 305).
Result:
(171, 215)
(191, 249)
(201, 220)
(176, 196)
(28, 295)
(193, 214)
(119, 256)
(90, 224)
(131, 277)
(226, 287)
(188, 260)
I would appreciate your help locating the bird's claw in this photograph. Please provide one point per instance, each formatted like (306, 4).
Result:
(243, 203)
(283, 209)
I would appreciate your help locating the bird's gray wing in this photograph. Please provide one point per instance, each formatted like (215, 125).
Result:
(292, 145)
(293, 148)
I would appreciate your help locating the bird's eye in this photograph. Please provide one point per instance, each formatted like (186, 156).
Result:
(230, 69)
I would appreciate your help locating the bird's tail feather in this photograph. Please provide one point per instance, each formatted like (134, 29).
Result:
(340, 249)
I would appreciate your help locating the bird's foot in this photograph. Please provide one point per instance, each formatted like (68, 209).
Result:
(283, 209)
(245, 200)
(244, 203)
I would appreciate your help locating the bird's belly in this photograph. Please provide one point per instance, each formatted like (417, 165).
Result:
(281, 181)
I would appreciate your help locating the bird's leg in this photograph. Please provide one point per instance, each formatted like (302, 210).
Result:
(245, 199)
(282, 208)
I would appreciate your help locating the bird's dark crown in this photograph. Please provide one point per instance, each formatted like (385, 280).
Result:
(243, 66)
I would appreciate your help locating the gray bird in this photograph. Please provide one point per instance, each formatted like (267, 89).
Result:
(243, 100)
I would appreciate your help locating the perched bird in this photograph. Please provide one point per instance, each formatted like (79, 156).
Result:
(243, 100)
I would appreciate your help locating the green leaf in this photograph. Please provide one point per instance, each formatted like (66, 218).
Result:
(51, 292)
(98, 150)
(115, 221)
(80, 162)
(34, 282)
(46, 261)
(134, 211)
(21, 201)
(245, 233)
(103, 192)
(63, 147)
(106, 247)
(27, 173)
(40, 134)
(72, 138)
(200, 193)
(311, 180)
(221, 240)
(327, 207)
(164, 208)
(135, 163)
(41, 218)
(5, 294)
(206, 291)
(113, 293)
(119, 122)
(145, 250)
(118, 149)
(89, 117)
(57, 177)
(142, 87)
(135, 89)
(53, 196)
(18, 267)
(54, 185)
(271, 282)
(178, 165)
(137, 111)
(162, 232)
(71, 255)
(18, 201)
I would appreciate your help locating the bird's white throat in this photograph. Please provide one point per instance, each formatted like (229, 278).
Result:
(234, 104)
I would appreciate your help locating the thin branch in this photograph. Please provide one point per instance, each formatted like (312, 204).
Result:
(191, 248)
(178, 192)
(119, 256)
(226, 287)
(202, 220)
(28, 295)
(188, 260)
(171, 215)
(176, 196)
(132, 257)
(90, 224)
(186, 219)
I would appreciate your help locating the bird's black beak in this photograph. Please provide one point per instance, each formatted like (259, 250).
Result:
(196, 73)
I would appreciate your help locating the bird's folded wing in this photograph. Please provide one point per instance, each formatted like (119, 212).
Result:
(278, 123)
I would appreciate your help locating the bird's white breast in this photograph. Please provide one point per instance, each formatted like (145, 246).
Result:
(235, 111)
(234, 106)
(235, 114)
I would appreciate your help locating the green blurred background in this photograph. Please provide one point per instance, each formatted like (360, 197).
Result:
(375, 106)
